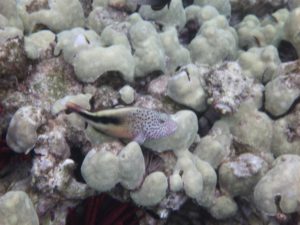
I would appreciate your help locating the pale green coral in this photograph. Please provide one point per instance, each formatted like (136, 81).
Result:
(127, 94)
(279, 189)
(109, 37)
(152, 191)
(285, 138)
(198, 177)
(176, 54)
(192, 183)
(22, 131)
(16, 208)
(70, 42)
(252, 32)
(187, 87)
(209, 178)
(102, 3)
(149, 55)
(215, 41)
(174, 16)
(3, 21)
(131, 165)
(200, 14)
(94, 20)
(102, 17)
(224, 207)
(252, 129)
(113, 58)
(215, 146)
(175, 182)
(55, 15)
(102, 169)
(262, 64)
(281, 93)
(10, 32)
(239, 176)
(79, 46)
(9, 15)
(37, 44)
(222, 6)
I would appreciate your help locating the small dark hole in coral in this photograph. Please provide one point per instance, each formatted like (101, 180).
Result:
(39, 27)
(78, 157)
(181, 172)
(207, 120)
(187, 3)
(87, 6)
(189, 31)
(287, 51)
(111, 78)
(291, 109)
(277, 200)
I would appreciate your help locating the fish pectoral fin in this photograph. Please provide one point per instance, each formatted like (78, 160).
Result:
(140, 138)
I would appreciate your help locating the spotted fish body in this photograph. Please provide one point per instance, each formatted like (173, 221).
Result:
(138, 124)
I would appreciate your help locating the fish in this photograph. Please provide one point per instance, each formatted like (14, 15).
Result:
(134, 123)
(155, 4)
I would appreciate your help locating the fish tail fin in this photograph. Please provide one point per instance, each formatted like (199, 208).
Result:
(73, 107)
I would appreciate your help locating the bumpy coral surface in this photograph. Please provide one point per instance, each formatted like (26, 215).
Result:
(214, 87)
(17, 208)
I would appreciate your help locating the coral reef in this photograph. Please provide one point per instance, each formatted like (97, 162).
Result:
(282, 92)
(184, 114)
(215, 41)
(21, 133)
(17, 208)
(187, 87)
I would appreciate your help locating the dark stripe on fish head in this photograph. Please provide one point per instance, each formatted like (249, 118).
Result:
(101, 119)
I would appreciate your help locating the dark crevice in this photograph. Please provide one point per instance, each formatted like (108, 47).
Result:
(287, 51)
(291, 109)
(207, 120)
(39, 26)
(87, 6)
(187, 3)
(78, 158)
(113, 79)
(189, 31)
